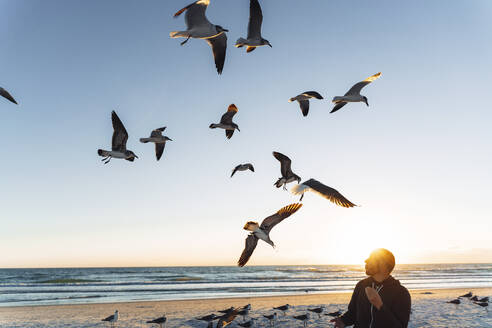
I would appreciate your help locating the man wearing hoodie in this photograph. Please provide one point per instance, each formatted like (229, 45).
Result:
(378, 301)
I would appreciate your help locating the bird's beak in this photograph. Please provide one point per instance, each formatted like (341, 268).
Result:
(170, 139)
(238, 130)
(367, 103)
(225, 30)
(136, 156)
(270, 45)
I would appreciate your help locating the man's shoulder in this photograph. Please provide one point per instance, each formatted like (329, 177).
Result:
(364, 282)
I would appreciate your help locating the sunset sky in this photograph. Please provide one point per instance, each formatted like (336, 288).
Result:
(418, 160)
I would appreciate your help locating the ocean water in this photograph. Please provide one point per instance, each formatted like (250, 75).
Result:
(20, 287)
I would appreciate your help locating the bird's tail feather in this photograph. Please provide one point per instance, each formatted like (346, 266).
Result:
(179, 34)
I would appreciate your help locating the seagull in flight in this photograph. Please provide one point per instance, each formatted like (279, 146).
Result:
(160, 321)
(199, 27)
(303, 100)
(353, 95)
(323, 190)
(263, 231)
(243, 167)
(226, 122)
(285, 170)
(118, 143)
(159, 140)
(4, 93)
(112, 318)
(254, 29)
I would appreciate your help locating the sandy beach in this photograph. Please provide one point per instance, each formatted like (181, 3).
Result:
(428, 310)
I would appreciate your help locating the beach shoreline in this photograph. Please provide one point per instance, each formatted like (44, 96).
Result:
(181, 313)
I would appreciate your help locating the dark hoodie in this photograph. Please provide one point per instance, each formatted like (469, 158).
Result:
(394, 313)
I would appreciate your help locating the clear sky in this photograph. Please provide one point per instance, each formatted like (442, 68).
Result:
(418, 160)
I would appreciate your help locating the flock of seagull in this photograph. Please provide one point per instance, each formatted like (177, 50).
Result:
(199, 27)
(228, 315)
(483, 302)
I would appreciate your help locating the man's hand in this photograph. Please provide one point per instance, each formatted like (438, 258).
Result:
(374, 298)
(338, 323)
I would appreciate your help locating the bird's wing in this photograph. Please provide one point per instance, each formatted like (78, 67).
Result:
(195, 14)
(338, 106)
(323, 190)
(313, 94)
(120, 136)
(235, 169)
(159, 149)
(4, 93)
(249, 247)
(227, 116)
(285, 163)
(271, 221)
(355, 90)
(111, 317)
(229, 133)
(219, 47)
(255, 20)
(304, 107)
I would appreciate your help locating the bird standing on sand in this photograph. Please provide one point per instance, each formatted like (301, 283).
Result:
(304, 318)
(467, 295)
(118, 143)
(474, 298)
(271, 318)
(227, 318)
(229, 310)
(283, 308)
(482, 304)
(286, 171)
(303, 100)
(263, 232)
(243, 167)
(160, 321)
(484, 299)
(159, 140)
(317, 310)
(112, 318)
(353, 95)
(226, 122)
(334, 314)
(199, 27)
(455, 301)
(244, 311)
(254, 29)
(4, 93)
(323, 190)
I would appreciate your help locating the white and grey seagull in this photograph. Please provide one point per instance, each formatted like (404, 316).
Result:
(254, 29)
(263, 231)
(353, 95)
(303, 100)
(286, 171)
(161, 321)
(323, 190)
(4, 93)
(199, 27)
(118, 143)
(159, 140)
(112, 318)
(226, 122)
(243, 167)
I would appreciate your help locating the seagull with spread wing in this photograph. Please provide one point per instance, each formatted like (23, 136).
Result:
(226, 122)
(4, 93)
(243, 167)
(199, 27)
(323, 190)
(118, 143)
(159, 140)
(254, 29)
(303, 100)
(286, 171)
(263, 231)
(353, 95)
